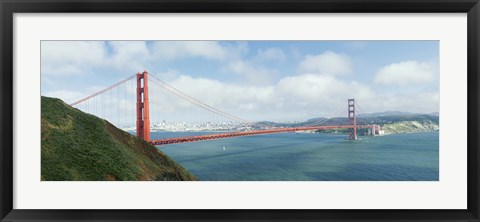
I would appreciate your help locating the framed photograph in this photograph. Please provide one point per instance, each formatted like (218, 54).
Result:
(239, 110)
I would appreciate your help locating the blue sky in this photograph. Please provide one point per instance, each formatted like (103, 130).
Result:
(257, 80)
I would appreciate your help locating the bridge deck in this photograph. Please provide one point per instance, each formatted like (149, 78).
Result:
(249, 133)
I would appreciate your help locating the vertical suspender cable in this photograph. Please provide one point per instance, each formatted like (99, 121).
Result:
(118, 106)
(133, 102)
(125, 104)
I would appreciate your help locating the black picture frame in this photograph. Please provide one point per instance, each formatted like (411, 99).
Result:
(9, 7)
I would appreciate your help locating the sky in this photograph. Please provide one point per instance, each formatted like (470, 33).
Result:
(255, 80)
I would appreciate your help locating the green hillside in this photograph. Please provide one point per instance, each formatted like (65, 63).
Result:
(80, 146)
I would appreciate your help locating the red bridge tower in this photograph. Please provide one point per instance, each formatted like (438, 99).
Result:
(352, 117)
(143, 111)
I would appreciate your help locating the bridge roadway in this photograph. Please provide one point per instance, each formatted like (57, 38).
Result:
(250, 133)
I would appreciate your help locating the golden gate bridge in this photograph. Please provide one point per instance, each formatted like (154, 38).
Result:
(140, 85)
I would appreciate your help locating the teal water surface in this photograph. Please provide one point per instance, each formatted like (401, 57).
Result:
(309, 157)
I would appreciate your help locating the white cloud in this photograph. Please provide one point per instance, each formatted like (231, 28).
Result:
(405, 73)
(239, 100)
(315, 91)
(50, 69)
(131, 56)
(169, 75)
(221, 94)
(73, 51)
(63, 58)
(271, 54)
(296, 97)
(303, 96)
(255, 74)
(327, 63)
(320, 93)
(181, 49)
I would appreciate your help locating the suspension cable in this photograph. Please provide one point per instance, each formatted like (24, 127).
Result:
(102, 91)
(198, 101)
(200, 105)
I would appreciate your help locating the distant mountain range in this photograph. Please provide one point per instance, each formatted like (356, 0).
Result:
(380, 118)
(394, 113)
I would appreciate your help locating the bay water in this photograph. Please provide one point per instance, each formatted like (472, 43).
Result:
(309, 157)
